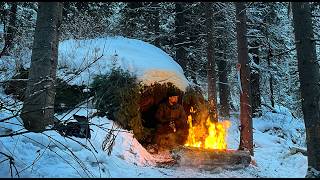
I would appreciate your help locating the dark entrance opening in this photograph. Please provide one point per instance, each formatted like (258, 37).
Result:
(151, 97)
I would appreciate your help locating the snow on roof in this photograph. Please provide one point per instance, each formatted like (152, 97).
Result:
(148, 62)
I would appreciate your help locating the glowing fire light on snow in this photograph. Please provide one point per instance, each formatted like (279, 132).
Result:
(208, 135)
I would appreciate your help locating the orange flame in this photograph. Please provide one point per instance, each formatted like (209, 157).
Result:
(208, 135)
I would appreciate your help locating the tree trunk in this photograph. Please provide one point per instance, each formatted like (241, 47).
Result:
(180, 35)
(211, 72)
(9, 36)
(193, 70)
(255, 82)
(224, 90)
(192, 31)
(270, 78)
(223, 67)
(37, 111)
(309, 78)
(246, 137)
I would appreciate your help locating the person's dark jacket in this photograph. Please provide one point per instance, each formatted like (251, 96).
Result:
(167, 113)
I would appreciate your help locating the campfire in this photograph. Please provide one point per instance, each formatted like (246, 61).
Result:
(207, 134)
(206, 147)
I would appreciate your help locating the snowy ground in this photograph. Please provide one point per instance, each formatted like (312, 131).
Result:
(48, 154)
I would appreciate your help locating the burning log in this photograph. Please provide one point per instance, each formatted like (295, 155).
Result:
(210, 159)
(206, 147)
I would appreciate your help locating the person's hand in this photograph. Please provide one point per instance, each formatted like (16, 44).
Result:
(173, 126)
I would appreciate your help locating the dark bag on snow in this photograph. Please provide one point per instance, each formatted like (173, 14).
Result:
(80, 128)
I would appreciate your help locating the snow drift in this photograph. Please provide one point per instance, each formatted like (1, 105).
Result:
(97, 56)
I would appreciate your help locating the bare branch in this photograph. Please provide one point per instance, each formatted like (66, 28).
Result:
(284, 52)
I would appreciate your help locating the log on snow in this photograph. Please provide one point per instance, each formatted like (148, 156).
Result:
(295, 150)
(207, 159)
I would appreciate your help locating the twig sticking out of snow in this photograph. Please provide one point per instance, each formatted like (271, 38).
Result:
(11, 162)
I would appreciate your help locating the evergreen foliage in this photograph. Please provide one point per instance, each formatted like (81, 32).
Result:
(117, 94)
(193, 98)
(85, 19)
(68, 96)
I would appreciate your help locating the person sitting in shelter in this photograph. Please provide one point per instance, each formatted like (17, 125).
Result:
(172, 126)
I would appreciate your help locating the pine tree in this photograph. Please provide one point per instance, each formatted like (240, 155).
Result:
(309, 78)
(271, 44)
(246, 136)
(37, 111)
(86, 19)
(255, 80)
(211, 70)
(180, 35)
(11, 30)
(222, 35)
